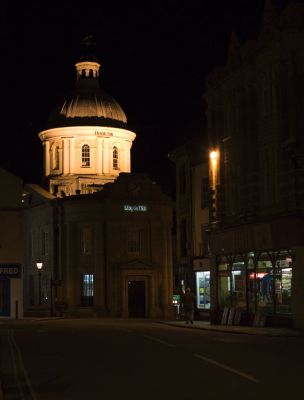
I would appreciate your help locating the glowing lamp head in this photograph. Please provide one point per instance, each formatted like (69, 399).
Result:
(39, 265)
(213, 154)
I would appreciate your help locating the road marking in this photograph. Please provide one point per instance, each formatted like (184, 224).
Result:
(226, 367)
(14, 361)
(158, 341)
(15, 347)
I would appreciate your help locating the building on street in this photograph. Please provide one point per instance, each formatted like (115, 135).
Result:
(255, 122)
(97, 237)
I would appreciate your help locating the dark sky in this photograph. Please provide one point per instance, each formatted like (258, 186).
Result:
(154, 54)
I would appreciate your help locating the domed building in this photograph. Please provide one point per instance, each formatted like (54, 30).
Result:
(98, 241)
(87, 142)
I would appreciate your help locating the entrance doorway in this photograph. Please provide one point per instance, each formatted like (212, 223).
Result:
(4, 297)
(137, 299)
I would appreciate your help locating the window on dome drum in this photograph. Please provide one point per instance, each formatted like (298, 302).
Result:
(85, 155)
(115, 158)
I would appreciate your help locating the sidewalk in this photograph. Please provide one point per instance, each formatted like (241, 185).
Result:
(249, 330)
(203, 325)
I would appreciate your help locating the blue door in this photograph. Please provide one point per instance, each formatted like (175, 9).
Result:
(5, 297)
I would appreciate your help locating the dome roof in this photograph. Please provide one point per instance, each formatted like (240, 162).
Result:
(88, 104)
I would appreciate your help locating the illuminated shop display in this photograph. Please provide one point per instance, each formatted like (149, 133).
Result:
(262, 285)
(203, 289)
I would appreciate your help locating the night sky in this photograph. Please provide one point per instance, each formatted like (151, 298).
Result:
(154, 55)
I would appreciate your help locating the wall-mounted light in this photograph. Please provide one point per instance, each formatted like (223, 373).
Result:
(39, 265)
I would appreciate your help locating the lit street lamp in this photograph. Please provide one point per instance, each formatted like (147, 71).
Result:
(39, 266)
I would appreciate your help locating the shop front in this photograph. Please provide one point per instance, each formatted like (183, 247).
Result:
(257, 283)
(201, 269)
(11, 302)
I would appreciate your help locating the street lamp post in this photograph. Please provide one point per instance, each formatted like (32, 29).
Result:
(39, 266)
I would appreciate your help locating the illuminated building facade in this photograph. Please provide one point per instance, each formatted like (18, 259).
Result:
(102, 233)
(87, 142)
(255, 122)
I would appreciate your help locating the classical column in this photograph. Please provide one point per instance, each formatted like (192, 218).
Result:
(46, 158)
(72, 155)
(127, 157)
(99, 155)
(65, 157)
(123, 158)
(106, 153)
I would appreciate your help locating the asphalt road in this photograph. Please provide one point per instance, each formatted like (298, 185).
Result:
(109, 359)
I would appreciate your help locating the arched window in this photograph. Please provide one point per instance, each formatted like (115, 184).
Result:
(85, 155)
(115, 157)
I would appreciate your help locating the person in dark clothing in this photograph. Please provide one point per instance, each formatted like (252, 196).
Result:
(188, 305)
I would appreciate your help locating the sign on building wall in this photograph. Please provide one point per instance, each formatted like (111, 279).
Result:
(10, 270)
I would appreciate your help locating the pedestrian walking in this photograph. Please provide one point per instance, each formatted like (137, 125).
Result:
(188, 305)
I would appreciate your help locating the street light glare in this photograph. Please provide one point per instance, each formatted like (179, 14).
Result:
(213, 154)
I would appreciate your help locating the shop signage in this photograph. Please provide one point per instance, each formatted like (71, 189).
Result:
(136, 208)
(201, 264)
(10, 270)
(224, 273)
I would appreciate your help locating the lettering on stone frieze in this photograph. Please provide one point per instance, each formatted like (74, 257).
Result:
(103, 134)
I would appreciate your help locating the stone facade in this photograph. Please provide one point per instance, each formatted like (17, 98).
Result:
(119, 239)
(11, 249)
(192, 214)
(255, 121)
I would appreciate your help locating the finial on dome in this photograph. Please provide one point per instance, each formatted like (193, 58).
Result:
(88, 41)
(88, 65)
(88, 48)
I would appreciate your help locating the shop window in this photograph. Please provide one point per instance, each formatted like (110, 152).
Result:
(264, 286)
(238, 285)
(283, 275)
(87, 289)
(203, 289)
(224, 285)
(85, 155)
